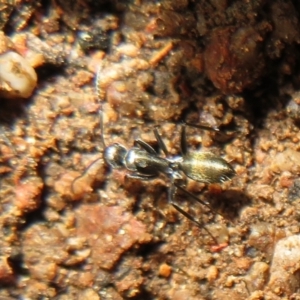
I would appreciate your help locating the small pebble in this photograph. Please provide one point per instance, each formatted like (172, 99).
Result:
(165, 270)
(212, 273)
(17, 78)
(257, 276)
(89, 294)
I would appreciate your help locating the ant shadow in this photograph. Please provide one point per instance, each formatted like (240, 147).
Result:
(229, 203)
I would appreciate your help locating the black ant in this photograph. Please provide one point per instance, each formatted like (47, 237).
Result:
(144, 163)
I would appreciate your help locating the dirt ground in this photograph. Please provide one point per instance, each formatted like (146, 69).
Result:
(72, 228)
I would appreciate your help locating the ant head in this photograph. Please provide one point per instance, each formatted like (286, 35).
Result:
(114, 155)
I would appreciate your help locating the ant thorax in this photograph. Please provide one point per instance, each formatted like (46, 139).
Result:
(174, 163)
(142, 162)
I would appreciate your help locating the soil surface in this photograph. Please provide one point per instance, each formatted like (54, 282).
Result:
(73, 228)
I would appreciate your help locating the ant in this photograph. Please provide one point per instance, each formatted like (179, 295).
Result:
(144, 163)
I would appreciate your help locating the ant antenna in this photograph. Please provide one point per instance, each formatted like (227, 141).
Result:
(98, 93)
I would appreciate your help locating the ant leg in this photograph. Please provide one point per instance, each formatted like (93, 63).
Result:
(183, 143)
(195, 198)
(200, 225)
(171, 193)
(102, 128)
(198, 200)
(200, 126)
(160, 142)
(145, 146)
(98, 92)
(141, 176)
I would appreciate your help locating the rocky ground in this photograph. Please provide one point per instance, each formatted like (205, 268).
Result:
(72, 228)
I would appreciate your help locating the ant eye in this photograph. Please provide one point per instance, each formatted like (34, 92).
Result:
(114, 155)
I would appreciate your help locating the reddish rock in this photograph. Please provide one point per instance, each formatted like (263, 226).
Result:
(109, 232)
(27, 194)
(6, 272)
(233, 58)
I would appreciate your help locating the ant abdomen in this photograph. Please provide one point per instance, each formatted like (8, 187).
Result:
(206, 167)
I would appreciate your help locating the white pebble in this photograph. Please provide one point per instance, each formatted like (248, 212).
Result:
(17, 78)
(285, 268)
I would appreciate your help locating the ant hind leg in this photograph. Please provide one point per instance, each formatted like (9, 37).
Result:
(171, 193)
